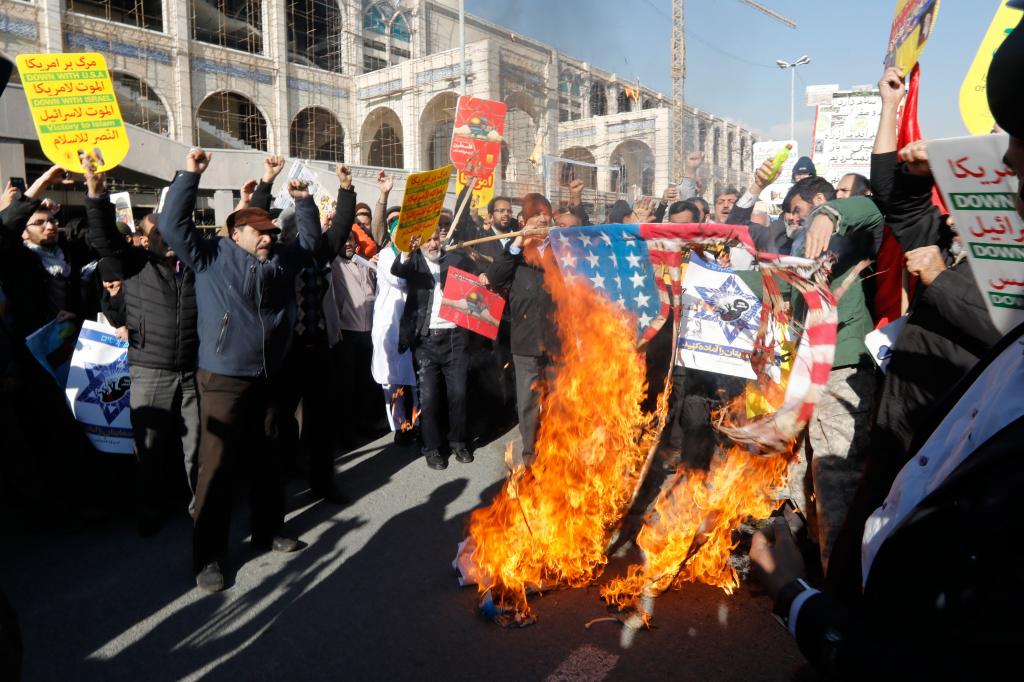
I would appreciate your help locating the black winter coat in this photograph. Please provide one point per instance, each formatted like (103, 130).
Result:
(160, 305)
(419, 283)
(530, 304)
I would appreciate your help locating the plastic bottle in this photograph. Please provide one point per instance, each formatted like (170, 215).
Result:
(779, 161)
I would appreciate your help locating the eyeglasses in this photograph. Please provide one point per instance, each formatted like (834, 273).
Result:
(40, 223)
(502, 210)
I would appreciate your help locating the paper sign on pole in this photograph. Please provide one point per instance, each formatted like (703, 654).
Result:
(973, 95)
(73, 105)
(421, 206)
(325, 203)
(470, 305)
(476, 138)
(980, 193)
(911, 28)
(721, 316)
(98, 388)
(483, 190)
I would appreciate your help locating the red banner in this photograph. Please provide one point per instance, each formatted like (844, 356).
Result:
(470, 305)
(476, 139)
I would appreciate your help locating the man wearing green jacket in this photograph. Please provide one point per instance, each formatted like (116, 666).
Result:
(838, 433)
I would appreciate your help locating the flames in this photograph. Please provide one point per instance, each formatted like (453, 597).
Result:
(407, 424)
(550, 524)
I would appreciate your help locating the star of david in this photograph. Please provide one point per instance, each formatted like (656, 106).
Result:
(730, 307)
(108, 388)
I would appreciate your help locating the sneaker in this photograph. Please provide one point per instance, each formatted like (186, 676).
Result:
(210, 579)
(435, 460)
(463, 455)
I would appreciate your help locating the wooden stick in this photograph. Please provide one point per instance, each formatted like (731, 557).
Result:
(465, 202)
(481, 240)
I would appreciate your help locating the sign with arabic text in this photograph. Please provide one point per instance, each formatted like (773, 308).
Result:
(477, 136)
(973, 92)
(99, 388)
(483, 190)
(421, 206)
(844, 134)
(981, 192)
(74, 108)
(470, 304)
(912, 26)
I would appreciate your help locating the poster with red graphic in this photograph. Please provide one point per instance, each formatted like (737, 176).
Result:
(476, 139)
(470, 304)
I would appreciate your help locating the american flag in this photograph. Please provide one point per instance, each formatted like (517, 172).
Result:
(640, 267)
(637, 266)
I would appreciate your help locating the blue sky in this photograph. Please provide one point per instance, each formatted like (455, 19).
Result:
(732, 48)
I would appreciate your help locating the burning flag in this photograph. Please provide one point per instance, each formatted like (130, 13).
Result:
(613, 288)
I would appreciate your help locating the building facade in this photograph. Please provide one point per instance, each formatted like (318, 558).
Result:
(374, 83)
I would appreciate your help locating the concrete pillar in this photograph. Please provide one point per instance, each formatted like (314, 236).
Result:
(12, 162)
(223, 205)
(276, 47)
(50, 35)
(177, 27)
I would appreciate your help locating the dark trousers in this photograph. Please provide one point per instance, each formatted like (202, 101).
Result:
(353, 356)
(165, 424)
(533, 374)
(308, 382)
(239, 428)
(442, 363)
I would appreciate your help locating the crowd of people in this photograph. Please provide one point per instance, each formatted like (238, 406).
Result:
(239, 340)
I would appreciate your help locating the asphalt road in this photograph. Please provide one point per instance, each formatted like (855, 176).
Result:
(372, 597)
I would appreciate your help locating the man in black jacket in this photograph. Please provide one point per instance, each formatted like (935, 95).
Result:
(160, 309)
(245, 289)
(440, 348)
(534, 337)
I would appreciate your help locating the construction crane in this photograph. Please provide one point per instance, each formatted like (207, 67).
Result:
(679, 75)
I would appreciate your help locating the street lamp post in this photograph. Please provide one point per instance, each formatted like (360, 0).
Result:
(792, 88)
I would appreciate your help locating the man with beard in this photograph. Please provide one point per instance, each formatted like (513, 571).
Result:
(245, 289)
(160, 309)
(440, 348)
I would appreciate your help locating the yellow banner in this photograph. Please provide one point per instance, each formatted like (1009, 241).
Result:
(74, 107)
(973, 95)
(421, 206)
(912, 26)
(483, 191)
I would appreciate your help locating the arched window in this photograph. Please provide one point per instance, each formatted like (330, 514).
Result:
(624, 101)
(315, 34)
(316, 134)
(598, 99)
(374, 20)
(229, 120)
(436, 124)
(383, 130)
(142, 13)
(400, 29)
(649, 103)
(635, 163)
(237, 24)
(140, 106)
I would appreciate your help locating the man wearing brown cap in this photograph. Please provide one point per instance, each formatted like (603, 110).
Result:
(245, 289)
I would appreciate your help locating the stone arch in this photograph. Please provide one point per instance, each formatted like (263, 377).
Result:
(624, 101)
(140, 104)
(598, 99)
(227, 119)
(585, 173)
(381, 139)
(316, 134)
(436, 124)
(634, 169)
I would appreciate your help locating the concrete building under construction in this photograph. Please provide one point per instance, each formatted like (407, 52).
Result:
(372, 83)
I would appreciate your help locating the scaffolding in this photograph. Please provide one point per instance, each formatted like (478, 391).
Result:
(315, 34)
(227, 119)
(142, 13)
(236, 24)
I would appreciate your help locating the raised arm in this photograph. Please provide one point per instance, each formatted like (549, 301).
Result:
(307, 216)
(15, 217)
(883, 155)
(378, 224)
(261, 196)
(344, 215)
(743, 210)
(177, 226)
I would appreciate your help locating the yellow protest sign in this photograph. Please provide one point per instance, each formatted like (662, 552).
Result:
(973, 96)
(421, 206)
(912, 26)
(483, 191)
(75, 110)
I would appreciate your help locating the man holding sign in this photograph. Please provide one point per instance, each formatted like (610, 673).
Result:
(440, 348)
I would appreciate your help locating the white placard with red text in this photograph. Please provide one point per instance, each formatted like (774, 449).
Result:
(980, 194)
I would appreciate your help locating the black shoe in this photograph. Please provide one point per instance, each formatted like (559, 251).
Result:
(463, 455)
(278, 543)
(330, 494)
(210, 579)
(435, 460)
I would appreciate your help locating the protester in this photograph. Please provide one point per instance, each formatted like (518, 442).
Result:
(439, 348)
(803, 168)
(244, 283)
(161, 313)
(724, 203)
(383, 215)
(685, 189)
(853, 185)
(534, 339)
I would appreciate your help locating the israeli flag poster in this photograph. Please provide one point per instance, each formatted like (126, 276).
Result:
(98, 388)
